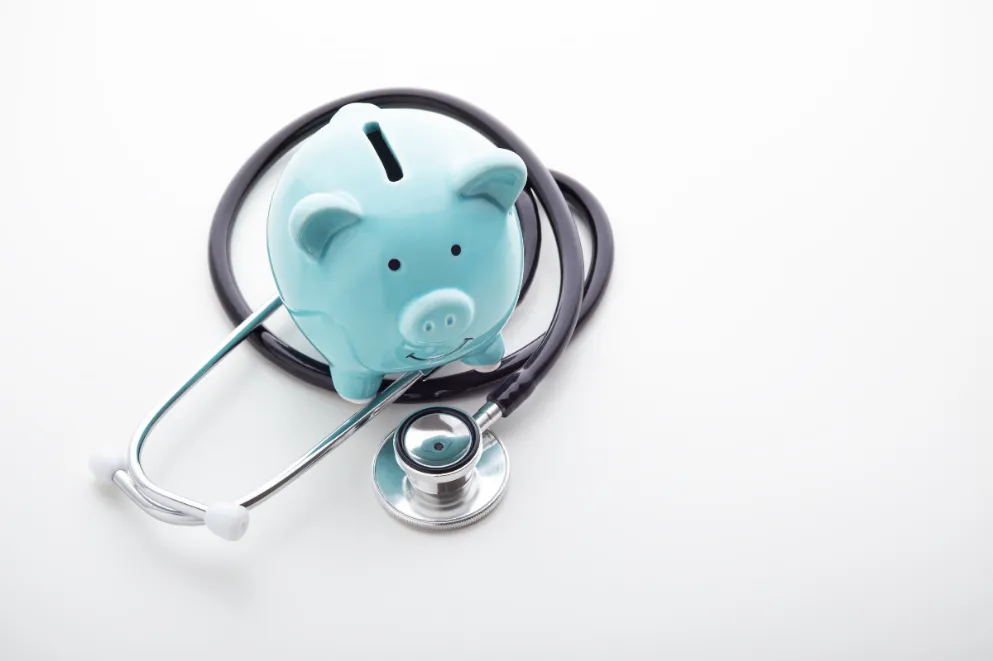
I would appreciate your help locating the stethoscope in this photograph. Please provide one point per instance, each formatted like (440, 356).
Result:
(441, 468)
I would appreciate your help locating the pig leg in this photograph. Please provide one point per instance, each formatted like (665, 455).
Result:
(356, 387)
(487, 358)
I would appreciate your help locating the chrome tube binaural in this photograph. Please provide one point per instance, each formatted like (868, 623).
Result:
(172, 508)
(171, 500)
(334, 439)
(152, 508)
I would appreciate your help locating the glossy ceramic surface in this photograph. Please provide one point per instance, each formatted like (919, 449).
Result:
(395, 245)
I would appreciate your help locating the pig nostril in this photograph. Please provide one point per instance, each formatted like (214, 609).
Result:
(438, 317)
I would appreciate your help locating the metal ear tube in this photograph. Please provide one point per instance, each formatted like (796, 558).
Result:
(227, 520)
(400, 242)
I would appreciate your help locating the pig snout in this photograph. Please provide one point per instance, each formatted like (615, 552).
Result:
(435, 318)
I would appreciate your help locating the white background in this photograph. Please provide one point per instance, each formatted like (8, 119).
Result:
(774, 440)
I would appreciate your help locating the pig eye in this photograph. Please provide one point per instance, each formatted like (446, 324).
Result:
(394, 264)
(456, 250)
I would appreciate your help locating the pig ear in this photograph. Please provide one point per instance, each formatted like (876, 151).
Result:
(318, 217)
(498, 175)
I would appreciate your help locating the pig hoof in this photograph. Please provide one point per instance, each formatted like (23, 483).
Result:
(488, 358)
(486, 368)
(357, 388)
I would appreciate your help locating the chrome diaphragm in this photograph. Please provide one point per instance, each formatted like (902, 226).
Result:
(439, 470)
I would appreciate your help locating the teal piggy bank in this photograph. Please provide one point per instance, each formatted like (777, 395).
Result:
(395, 244)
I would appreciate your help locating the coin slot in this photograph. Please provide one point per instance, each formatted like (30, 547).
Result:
(386, 156)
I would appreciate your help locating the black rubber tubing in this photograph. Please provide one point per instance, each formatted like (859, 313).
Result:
(520, 372)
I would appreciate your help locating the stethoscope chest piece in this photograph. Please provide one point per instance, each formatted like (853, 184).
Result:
(438, 470)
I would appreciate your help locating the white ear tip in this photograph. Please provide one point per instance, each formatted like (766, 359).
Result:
(227, 520)
(104, 463)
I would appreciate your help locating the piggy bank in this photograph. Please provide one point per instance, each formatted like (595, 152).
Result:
(395, 244)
